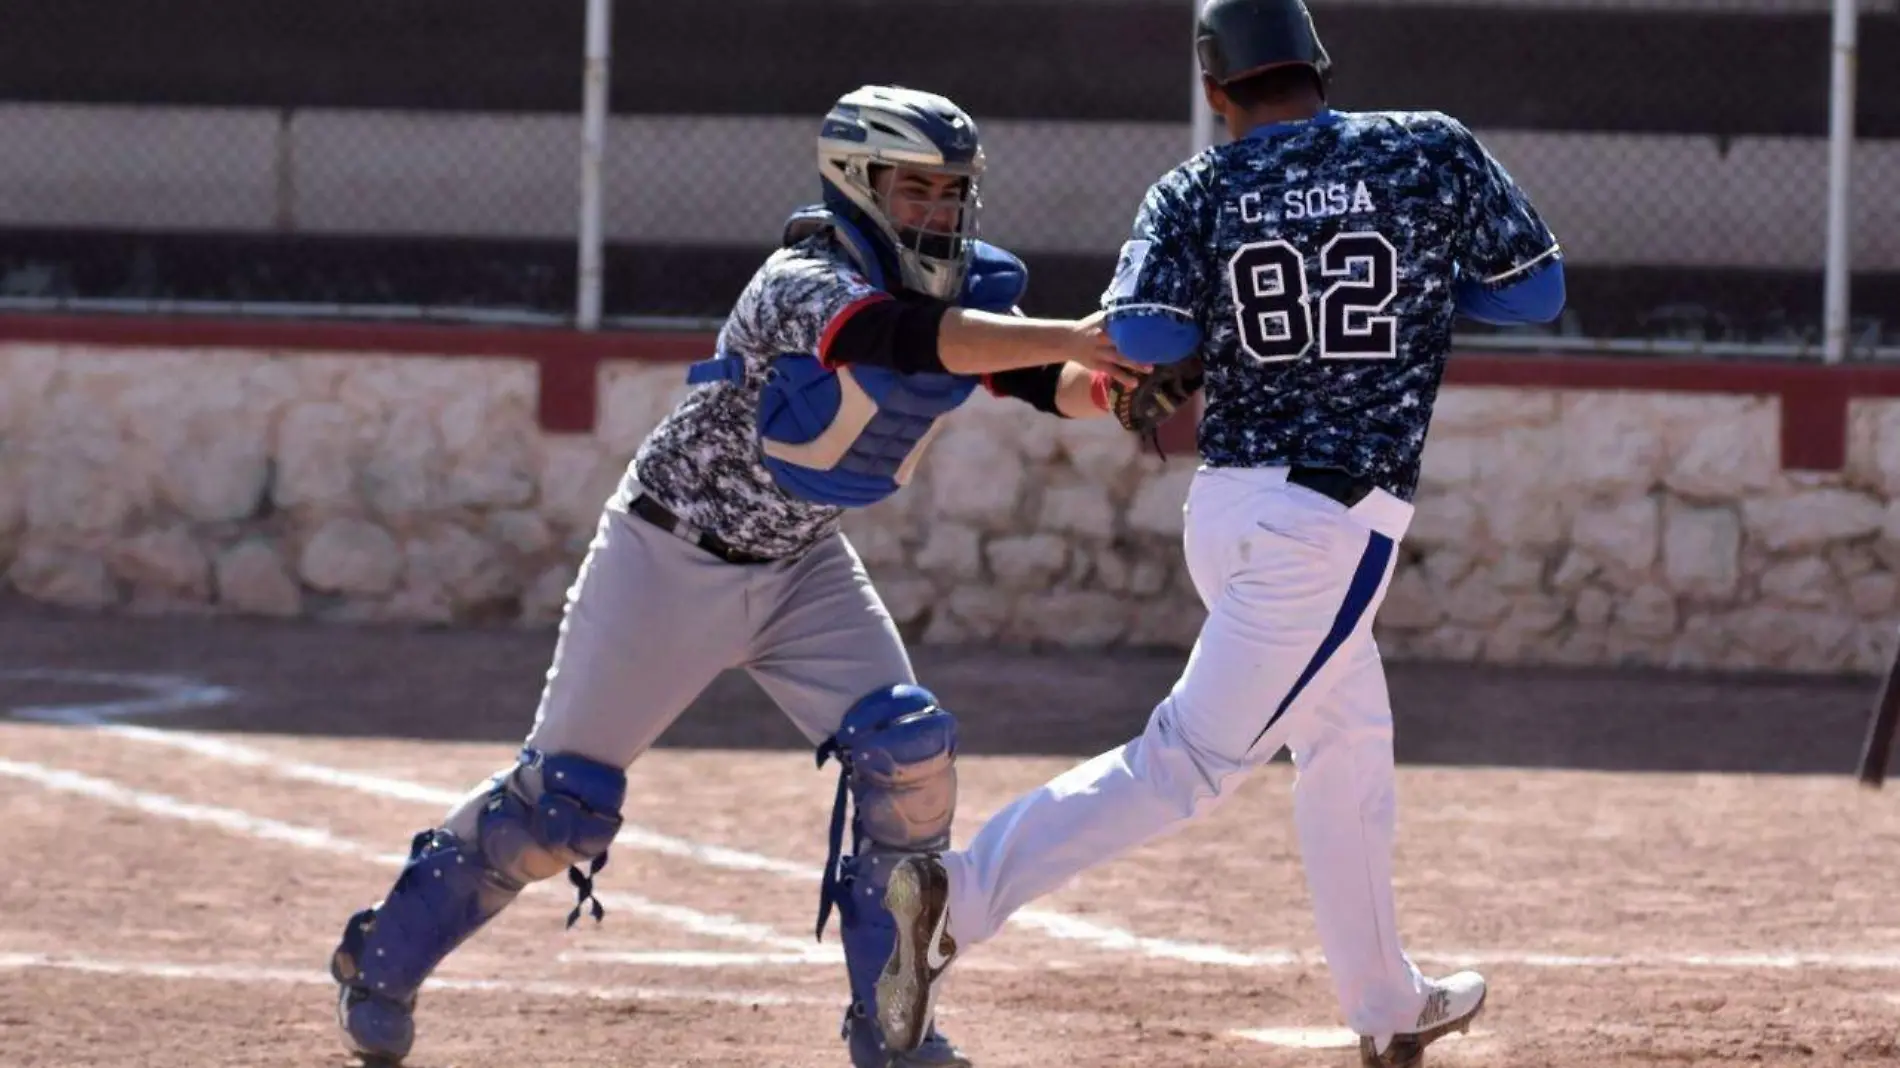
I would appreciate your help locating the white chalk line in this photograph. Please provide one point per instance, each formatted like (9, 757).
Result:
(702, 958)
(168, 693)
(826, 956)
(1300, 1037)
(244, 973)
(1733, 962)
(173, 694)
(318, 840)
(176, 694)
(1322, 1038)
(1053, 924)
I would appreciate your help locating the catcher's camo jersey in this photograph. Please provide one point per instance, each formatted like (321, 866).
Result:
(1318, 260)
(703, 460)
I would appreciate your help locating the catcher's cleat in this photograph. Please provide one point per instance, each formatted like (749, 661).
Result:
(868, 1051)
(936, 1052)
(376, 1029)
(380, 1029)
(1452, 1004)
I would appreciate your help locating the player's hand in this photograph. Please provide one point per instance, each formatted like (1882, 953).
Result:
(1090, 347)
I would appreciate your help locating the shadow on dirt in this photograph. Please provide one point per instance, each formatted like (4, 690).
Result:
(482, 686)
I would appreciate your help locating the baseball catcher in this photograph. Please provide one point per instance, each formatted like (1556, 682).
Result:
(879, 315)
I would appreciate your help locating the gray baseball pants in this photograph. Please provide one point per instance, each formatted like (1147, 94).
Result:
(651, 620)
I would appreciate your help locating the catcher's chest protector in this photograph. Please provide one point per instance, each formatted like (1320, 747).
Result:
(848, 437)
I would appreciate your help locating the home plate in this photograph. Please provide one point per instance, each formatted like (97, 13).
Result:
(1302, 1037)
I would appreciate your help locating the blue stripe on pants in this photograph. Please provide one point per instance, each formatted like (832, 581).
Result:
(1365, 583)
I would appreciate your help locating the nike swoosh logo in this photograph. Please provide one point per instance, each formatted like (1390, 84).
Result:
(933, 955)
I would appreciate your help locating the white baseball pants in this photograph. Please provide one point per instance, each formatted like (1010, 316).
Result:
(1291, 580)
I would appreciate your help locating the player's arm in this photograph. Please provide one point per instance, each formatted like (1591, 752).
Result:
(917, 335)
(1537, 297)
(1509, 264)
(978, 336)
(1069, 390)
(809, 304)
(1080, 392)
(1155, 304)
(971, 342)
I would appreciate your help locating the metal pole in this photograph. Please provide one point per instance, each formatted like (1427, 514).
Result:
(593, 148)
(1203, 133)
(1840, 154)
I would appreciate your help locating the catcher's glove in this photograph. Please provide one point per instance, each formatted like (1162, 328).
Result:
(1143, 407)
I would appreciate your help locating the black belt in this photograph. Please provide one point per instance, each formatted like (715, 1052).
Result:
(661, 516)
(1331, 482)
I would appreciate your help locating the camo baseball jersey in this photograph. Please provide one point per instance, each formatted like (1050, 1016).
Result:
(703, 460)
(1319, 260)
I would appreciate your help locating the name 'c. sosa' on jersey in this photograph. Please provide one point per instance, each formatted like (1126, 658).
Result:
(1319, 260)
(1314, 202)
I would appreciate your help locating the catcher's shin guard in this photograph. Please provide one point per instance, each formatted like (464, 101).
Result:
(451, 887)
(899, 755)
(444, 894)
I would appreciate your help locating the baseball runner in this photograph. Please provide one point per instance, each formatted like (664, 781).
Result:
(878, 316)
(1314, 265)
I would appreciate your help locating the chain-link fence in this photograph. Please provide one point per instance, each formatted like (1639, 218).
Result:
(424, 157)
(355, 156)
(1678, 147)
(1081, 104)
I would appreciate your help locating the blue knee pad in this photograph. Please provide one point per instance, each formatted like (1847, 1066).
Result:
(897, 750)
(450, 887)
(574, 819)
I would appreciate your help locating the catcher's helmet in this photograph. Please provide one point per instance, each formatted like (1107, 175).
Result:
(1239, 38)
(893, 126)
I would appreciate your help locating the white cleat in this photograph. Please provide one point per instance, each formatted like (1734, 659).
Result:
(1452, 1004)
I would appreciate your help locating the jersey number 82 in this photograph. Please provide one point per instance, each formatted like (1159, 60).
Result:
(1275, 314)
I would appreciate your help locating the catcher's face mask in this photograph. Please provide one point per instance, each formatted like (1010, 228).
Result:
(932, 213)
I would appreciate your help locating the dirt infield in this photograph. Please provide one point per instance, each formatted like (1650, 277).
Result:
(1649, 868)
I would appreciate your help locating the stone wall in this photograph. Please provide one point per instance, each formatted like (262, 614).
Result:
(1659, 529)
(1572, 527)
